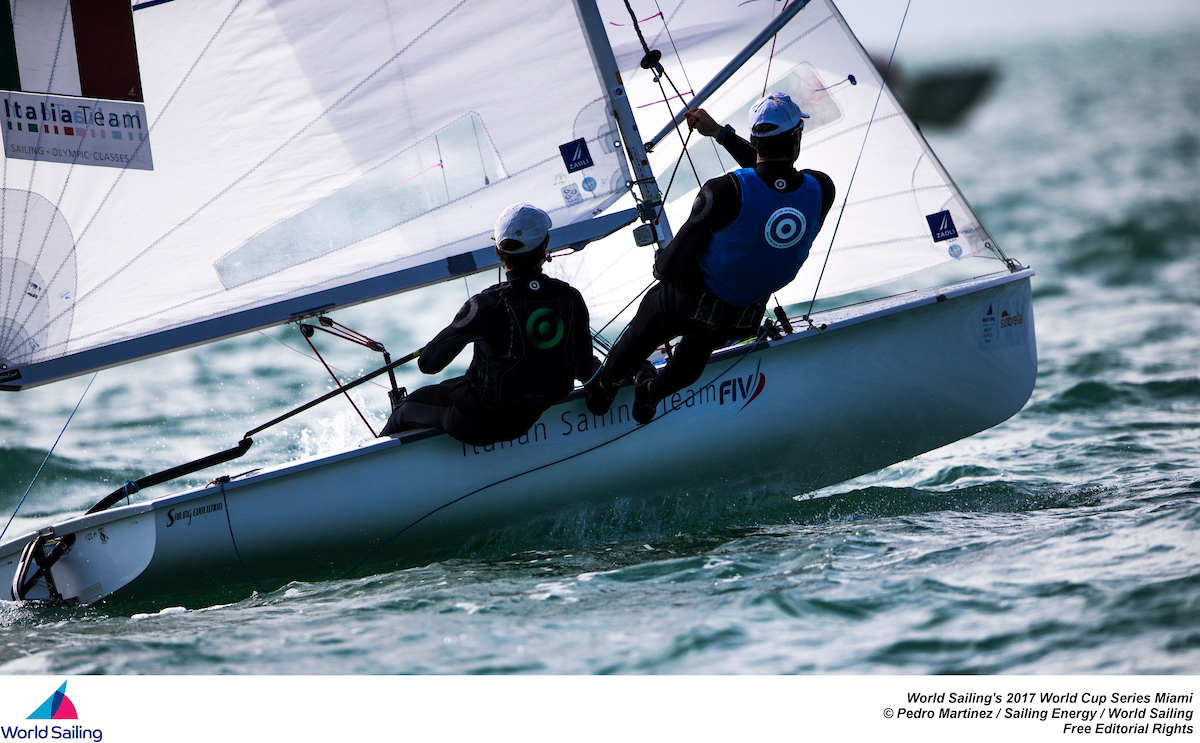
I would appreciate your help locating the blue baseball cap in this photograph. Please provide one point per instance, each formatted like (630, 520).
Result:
(775, 114)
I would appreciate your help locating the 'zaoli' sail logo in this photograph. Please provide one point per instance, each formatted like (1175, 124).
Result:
(942, 226)
(57, 707)
(575, 155)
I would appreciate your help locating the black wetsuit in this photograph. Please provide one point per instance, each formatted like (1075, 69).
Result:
(682, 303)
(531, 339)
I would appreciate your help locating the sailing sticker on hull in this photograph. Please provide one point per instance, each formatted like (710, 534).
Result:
(989, 326)
(186, 515)
(1003, 326)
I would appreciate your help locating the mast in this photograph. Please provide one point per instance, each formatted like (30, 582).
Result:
(651, 207)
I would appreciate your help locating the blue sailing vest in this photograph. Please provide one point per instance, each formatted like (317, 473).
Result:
(766, 245)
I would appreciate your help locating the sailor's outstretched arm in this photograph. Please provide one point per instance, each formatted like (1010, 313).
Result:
(741, 150)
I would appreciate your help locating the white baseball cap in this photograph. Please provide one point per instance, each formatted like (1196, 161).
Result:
(525, 224)
(778, 112)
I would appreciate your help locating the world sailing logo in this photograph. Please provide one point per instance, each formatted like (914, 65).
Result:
(57, 707)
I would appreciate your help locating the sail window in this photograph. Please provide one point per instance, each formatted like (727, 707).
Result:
(444, 167)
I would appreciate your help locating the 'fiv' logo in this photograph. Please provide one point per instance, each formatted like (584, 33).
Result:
(942, 226)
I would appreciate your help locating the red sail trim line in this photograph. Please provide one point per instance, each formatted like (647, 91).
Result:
(656, 15)
(655, 103)
(438, 164)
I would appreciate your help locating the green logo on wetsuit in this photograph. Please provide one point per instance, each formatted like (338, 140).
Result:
(545, 328)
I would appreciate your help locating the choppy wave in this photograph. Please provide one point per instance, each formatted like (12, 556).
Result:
(1139, 242)
(1099, 395)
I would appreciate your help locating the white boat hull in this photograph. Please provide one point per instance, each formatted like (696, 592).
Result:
(885, 381)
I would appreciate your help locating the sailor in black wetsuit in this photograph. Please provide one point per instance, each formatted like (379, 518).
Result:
(531, 339)
(748, 234)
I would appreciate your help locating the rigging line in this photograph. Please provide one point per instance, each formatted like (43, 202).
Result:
(866, 134)
(682, 141)
(47, 459)
(236, 551)
(614, 317)
(686, 79)
(125, 169)
(62, 27)
(637, 27)
(312, 358)
(679, 162)
(674, 48)
(771, 56)
(666, 412)
(337, 383)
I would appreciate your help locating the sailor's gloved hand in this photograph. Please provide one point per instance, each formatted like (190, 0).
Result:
(698, 119)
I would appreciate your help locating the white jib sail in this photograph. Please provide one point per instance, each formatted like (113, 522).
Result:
(904, 214)
(290, 147)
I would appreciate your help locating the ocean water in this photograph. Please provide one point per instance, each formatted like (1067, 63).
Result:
(1066, 540)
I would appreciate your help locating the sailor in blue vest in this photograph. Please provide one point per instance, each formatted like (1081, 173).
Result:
(747, 236)
(531, 340)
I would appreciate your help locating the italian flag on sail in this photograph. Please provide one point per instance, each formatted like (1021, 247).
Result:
(70, 47)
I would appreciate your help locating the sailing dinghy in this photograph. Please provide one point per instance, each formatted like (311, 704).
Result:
(264, 162)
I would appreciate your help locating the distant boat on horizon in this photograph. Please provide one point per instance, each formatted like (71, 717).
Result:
(941, 97)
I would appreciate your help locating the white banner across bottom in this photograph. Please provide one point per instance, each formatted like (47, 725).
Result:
(596, 708)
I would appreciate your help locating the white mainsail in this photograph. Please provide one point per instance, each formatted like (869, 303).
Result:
(903, 207)
(304, 155)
